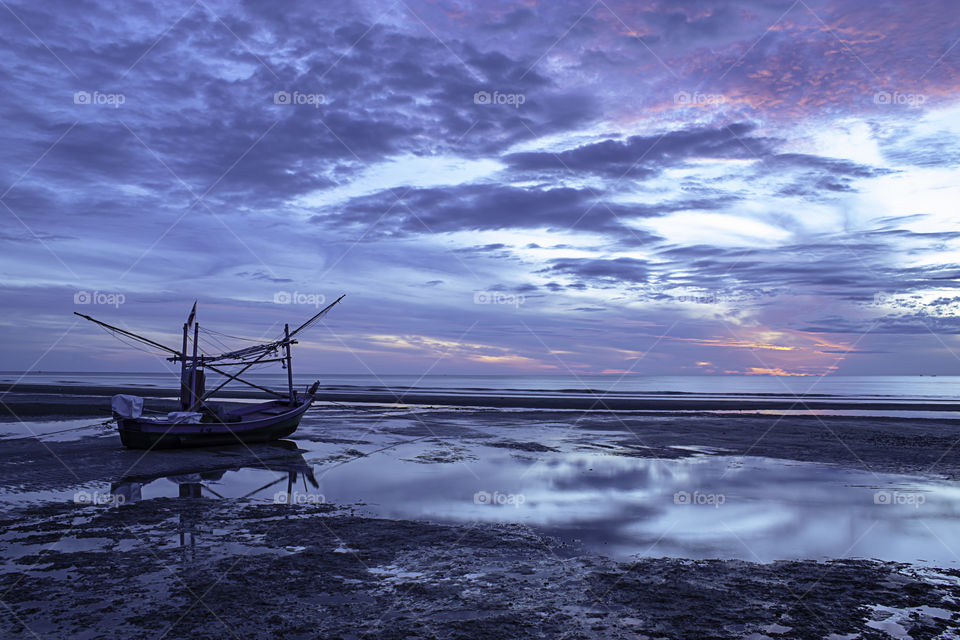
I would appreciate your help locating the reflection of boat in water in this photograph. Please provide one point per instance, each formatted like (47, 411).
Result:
(193, 481)
(193, 478)
(200, 423)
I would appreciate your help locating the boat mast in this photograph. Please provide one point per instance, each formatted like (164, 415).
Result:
(183, 372)
(193, 369)
(286, 338)
(184, 406)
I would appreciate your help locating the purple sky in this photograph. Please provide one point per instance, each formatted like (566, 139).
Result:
(749, 186)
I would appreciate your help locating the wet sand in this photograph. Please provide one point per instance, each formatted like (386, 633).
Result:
(308, 572)
(200, 566)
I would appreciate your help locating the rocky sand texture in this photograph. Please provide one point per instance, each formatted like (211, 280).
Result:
(253, 571)
(234, 568)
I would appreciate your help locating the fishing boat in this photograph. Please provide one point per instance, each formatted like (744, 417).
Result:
(200, 422)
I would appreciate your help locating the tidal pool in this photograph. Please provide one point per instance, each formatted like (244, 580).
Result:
(699, 506)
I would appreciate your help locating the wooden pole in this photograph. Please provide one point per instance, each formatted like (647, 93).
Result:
(183, 371)
(193, 376)
(286, 335)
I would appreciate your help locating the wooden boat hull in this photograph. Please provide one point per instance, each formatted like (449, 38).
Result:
(259, 423)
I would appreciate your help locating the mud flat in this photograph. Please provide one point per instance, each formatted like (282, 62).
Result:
(402, 536)
(307, 572)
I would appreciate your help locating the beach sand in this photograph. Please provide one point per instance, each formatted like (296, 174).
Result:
(234, 567)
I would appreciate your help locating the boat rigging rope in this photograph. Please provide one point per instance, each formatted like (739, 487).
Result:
(227, 335)
(358, 408)
(364, 454)
(210, 339)
(207, 344)
(130, 343)
(52, 433)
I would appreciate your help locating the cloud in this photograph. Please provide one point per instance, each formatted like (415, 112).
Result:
(475, 207)
(663, 151)
(644, 156)
(602, 272)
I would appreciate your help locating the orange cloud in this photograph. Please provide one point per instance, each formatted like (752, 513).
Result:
(764, 371)
(734, 343)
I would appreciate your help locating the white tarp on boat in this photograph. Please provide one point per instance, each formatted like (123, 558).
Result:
(127, 406)
(184, 417)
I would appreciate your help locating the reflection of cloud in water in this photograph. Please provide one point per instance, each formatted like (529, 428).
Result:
(770, 508)
(695, 507)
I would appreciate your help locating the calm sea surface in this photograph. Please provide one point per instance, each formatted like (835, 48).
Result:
(943, 388)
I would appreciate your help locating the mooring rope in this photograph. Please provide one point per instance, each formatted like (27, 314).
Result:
(53, 433)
